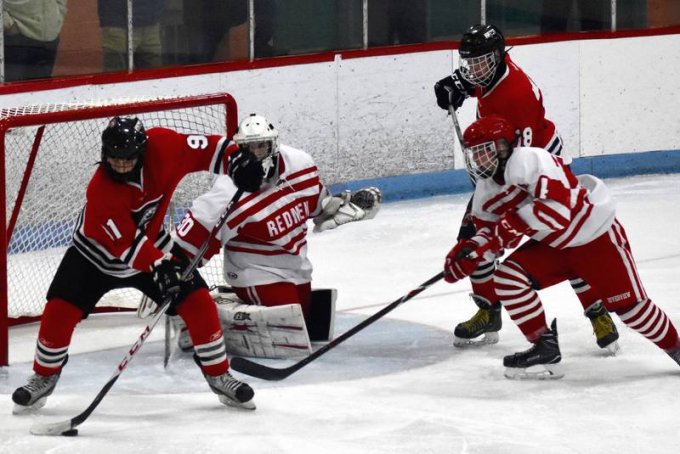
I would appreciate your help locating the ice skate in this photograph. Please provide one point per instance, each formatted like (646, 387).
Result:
(604, 328)
(540, 362)
(231, 391)
(33, 395)
(675, 354)
(482, 328)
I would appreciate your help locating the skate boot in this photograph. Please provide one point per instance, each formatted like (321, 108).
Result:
(33, 395)
(540, 362)
(675, 354)
(231, 392)
(184, 341)
(482, 328)
(603, 327)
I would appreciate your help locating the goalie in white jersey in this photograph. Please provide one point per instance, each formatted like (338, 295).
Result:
(573, 231)
(265, 245)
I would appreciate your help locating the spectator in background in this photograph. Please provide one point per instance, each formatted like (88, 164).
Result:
(591, 15)
(32, 30)
(397, 22)
(217, 30)
(146, 17)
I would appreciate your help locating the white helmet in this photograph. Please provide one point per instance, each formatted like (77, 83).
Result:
(256, 129)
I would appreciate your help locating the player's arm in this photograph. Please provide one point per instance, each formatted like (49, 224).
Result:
(197, 224)
(193, 152)
(335, 210)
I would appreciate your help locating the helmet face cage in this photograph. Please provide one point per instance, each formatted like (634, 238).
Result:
(481, 160)
(255, 129)
(479, 70)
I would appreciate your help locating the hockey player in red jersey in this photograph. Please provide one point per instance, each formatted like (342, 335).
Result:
(265, 239)
(487, 73)
(120, 241)
(572, 228)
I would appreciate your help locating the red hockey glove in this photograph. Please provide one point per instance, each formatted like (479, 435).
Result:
(462, 260)
(510, 229)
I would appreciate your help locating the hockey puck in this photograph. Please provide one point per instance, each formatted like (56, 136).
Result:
(70, 433)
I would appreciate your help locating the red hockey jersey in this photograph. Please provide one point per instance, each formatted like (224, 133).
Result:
(516, 97)
(120, 229)
(265, 238)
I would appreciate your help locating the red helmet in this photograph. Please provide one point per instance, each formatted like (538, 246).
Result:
(481, 155)
(489, 128)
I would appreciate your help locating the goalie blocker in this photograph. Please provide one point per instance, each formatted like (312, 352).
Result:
(269, 332)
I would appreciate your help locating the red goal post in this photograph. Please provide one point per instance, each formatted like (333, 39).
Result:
(47, 157)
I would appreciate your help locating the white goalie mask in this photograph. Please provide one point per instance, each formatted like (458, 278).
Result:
(257, 135)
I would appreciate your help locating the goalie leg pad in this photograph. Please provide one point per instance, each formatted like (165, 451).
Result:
(263, 332)
(321, 319)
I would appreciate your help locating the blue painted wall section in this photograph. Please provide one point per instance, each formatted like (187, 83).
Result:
(415, 186)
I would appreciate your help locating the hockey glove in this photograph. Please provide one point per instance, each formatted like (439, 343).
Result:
(510, 229)
(368, 199)
(347, 207)
(452, 91)
(167, 274)
(464, 257)
(245, 170)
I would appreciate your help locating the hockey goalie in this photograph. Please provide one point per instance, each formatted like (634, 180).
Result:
(269, 309)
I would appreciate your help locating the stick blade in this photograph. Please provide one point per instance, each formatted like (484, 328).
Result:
(52, 429)
(261, 371)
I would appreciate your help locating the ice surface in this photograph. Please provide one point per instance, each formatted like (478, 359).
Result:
(398, 386)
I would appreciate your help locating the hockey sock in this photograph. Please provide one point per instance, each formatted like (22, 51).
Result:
(520, 300)
(482, 281)
(651, 321)
(584, 292)
(59, 320)
(200, 315)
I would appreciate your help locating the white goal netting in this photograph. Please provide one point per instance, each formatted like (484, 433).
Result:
(50, 154)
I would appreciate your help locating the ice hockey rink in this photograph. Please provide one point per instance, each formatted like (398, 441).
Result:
(398, 386)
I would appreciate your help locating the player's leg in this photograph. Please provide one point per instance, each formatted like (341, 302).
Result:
(531, 267)
(73, 293)
(483, 327)
(197, 309)
(608, 265)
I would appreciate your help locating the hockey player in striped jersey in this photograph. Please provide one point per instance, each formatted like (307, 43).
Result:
(120, 241)
(487, 73)
(572, 229)
(265, 239)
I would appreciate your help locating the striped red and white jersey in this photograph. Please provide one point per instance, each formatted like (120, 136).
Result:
(561, 210)
(120, 229)
(265, 237)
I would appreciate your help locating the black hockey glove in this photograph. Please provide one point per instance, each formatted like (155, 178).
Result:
(245, 170)
(167, 274)
(452, 91)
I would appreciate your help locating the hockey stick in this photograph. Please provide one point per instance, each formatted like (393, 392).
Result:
(270, 373)
(68, 428)
(456, 126)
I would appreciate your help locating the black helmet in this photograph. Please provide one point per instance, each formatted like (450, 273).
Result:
(124, 138)
(482, 50)
(481, 39)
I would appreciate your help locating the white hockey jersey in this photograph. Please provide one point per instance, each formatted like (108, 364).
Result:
(264, 239)
(561, 210)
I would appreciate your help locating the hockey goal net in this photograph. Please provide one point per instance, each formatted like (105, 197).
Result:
(48, 156)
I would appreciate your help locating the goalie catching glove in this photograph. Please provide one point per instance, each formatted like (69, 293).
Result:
(347, 207)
